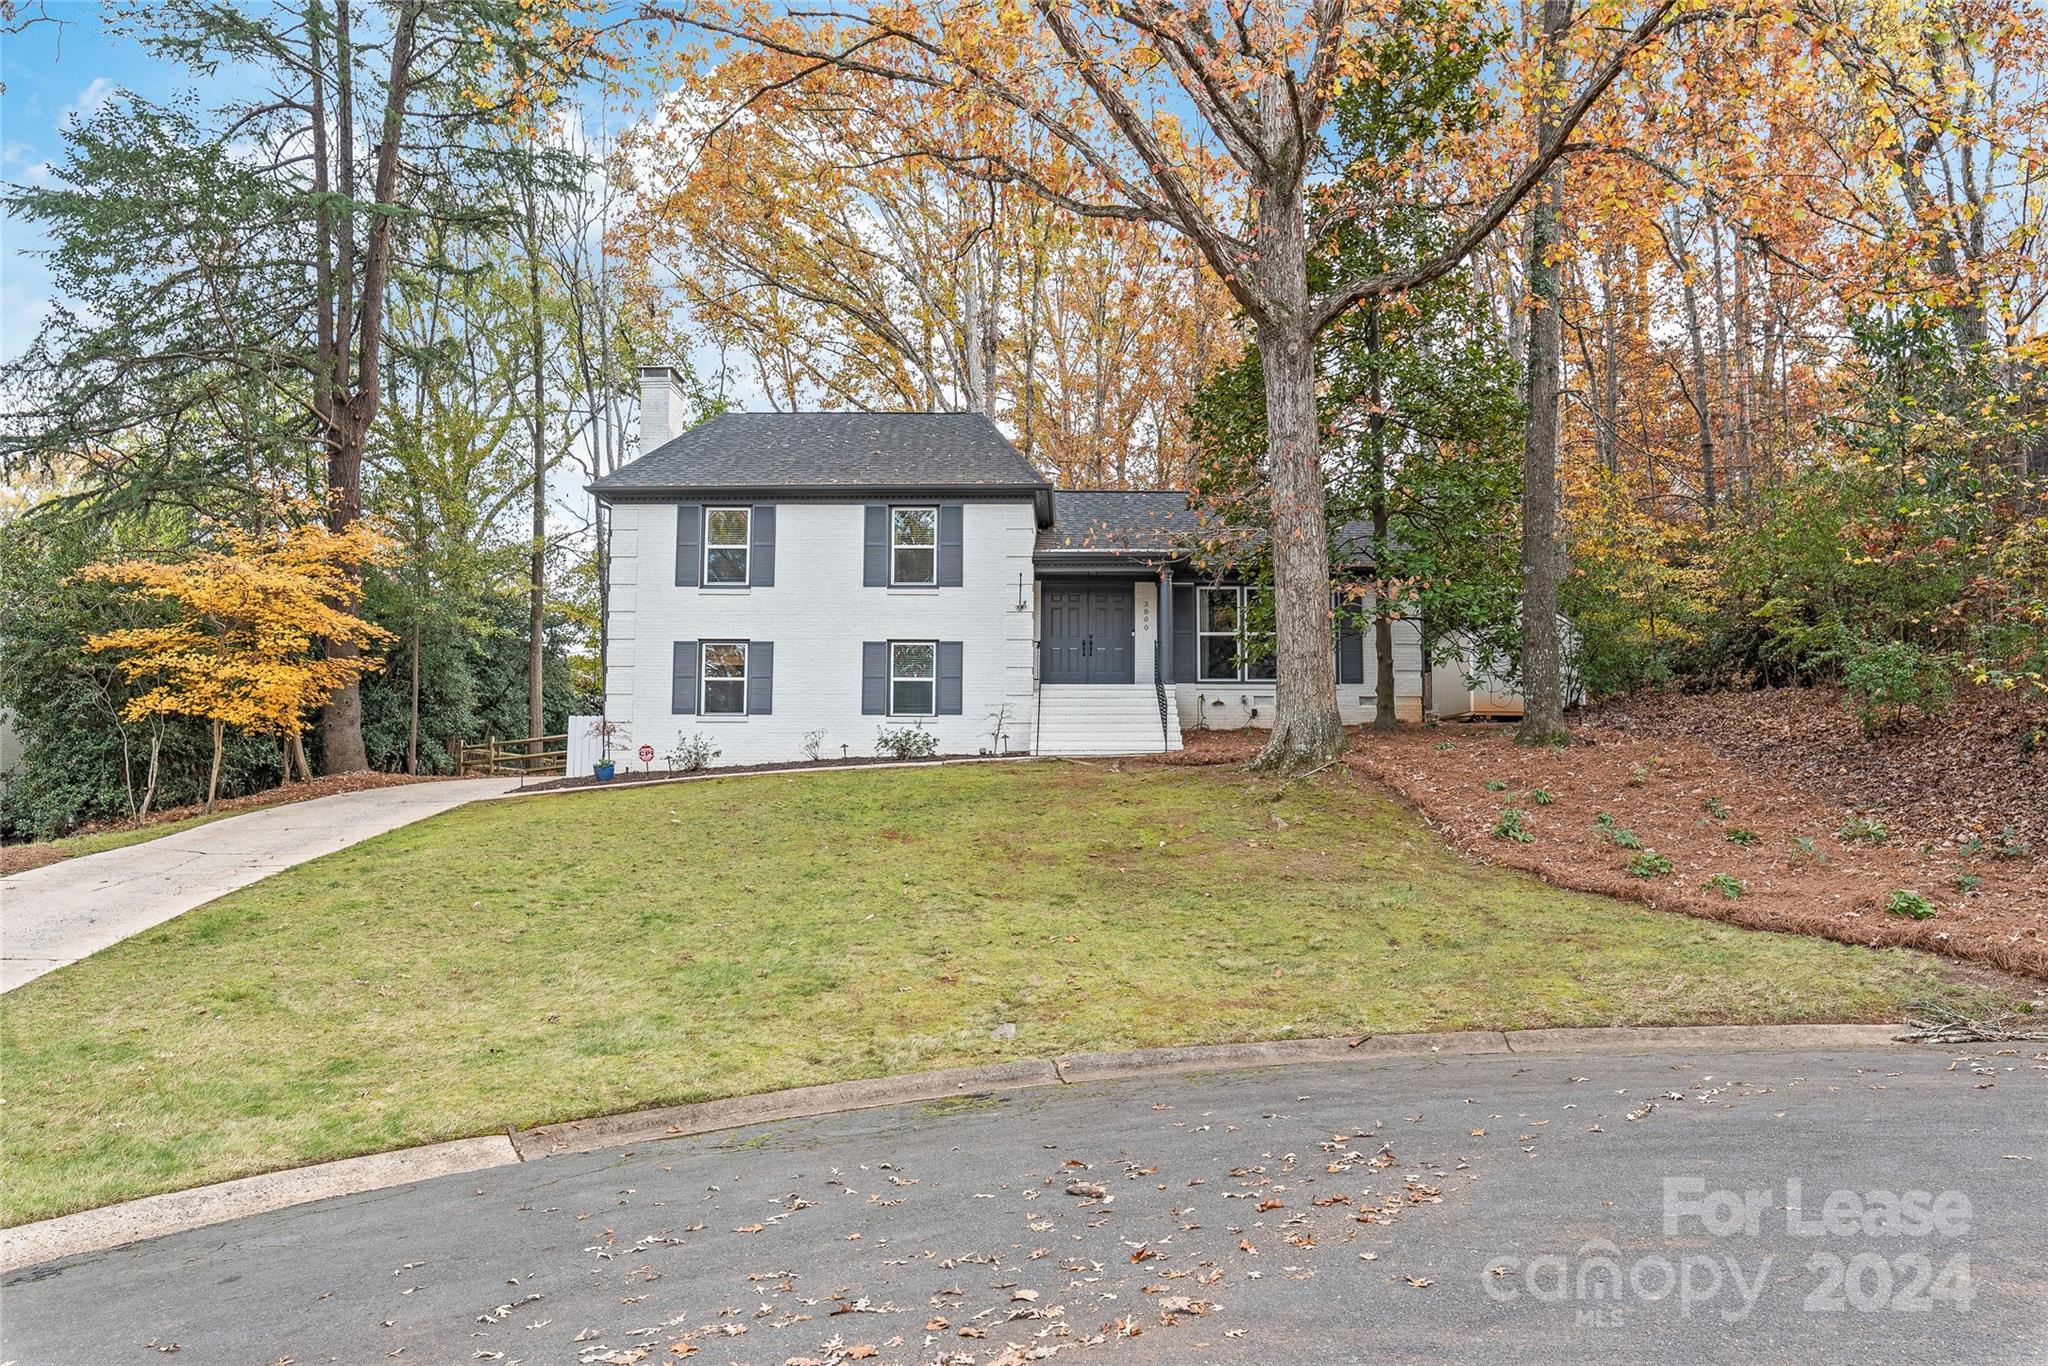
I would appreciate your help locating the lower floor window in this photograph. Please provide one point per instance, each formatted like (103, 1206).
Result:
(725, 678)
(913, 677)
(1225, 639)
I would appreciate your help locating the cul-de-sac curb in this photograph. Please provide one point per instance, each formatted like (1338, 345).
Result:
(116, 1226)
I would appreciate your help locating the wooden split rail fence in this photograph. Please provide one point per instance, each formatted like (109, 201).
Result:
(534, 756)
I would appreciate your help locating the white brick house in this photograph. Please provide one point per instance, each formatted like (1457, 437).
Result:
(782, 576)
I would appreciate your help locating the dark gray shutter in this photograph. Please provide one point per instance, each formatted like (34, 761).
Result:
(952, 554)
(949, 678)
(761, 550)
(682, 698)
(1350, 650)
(1184, 633)
(689, 544)
(874, 558)
(874, 678)
(760, 677)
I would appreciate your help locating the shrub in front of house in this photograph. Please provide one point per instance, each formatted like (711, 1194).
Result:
(906, 742)
(692, 752)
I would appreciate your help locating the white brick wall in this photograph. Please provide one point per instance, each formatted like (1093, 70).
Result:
(818, 614)
(1229, 706)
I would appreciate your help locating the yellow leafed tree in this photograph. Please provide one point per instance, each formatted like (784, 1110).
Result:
(240, 649)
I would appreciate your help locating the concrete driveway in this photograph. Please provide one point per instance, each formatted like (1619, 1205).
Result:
(59, 913)
(1714, 1205)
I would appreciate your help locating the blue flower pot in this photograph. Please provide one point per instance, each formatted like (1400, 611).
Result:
(605, 770)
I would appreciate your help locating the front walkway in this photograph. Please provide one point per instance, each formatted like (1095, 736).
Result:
(57, 914)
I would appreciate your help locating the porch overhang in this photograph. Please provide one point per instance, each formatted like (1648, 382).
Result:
(1130, 564)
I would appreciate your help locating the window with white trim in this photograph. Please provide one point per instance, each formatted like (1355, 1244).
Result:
(725, 678)
(1264, 667)
(914, 547)
(1224, 637)
(726, 552)
(913, 678)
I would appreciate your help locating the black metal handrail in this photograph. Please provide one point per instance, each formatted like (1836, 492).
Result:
(1159, 686)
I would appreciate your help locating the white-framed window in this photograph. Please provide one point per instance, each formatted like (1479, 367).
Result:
(725, 678)
(1224, 636)
(726, 553)
(913, 678)
(914, 546)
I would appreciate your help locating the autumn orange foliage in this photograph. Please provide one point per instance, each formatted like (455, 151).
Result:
(239, 648)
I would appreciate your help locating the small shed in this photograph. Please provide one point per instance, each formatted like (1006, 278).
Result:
(1462, 694)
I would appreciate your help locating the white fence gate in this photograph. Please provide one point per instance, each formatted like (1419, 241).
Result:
(585, 748)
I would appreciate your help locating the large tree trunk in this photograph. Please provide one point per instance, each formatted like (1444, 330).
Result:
(359, 290)
(341, 720)
(1542, 549)
(1306, 727)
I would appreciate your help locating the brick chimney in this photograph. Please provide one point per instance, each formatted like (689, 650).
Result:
(661, 405)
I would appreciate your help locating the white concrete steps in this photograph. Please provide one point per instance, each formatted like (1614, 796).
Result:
(1104, 719)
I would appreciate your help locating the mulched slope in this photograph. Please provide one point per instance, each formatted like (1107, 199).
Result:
(1937, 780)
(1660, 789)
(18, 858)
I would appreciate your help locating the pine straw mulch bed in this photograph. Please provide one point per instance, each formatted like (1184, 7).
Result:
(1968, 771)
(19, 858)
(1663, 788)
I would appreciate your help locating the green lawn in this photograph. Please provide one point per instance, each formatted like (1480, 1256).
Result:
(527, 961)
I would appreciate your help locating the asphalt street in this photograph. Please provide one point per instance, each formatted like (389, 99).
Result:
(1877, 1205)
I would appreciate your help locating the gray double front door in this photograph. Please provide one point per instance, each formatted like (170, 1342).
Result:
(1088, 633)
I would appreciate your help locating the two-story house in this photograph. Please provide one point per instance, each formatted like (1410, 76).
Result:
(782, 577)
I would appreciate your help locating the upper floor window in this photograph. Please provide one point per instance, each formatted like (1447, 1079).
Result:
(914, 546)
(1224, 638)
(725, 546)
(725, 678)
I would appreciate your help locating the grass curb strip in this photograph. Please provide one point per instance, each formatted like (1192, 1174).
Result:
(116, 1226)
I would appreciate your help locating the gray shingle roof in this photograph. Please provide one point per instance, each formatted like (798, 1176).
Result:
(1112, 521)
(961, 452)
